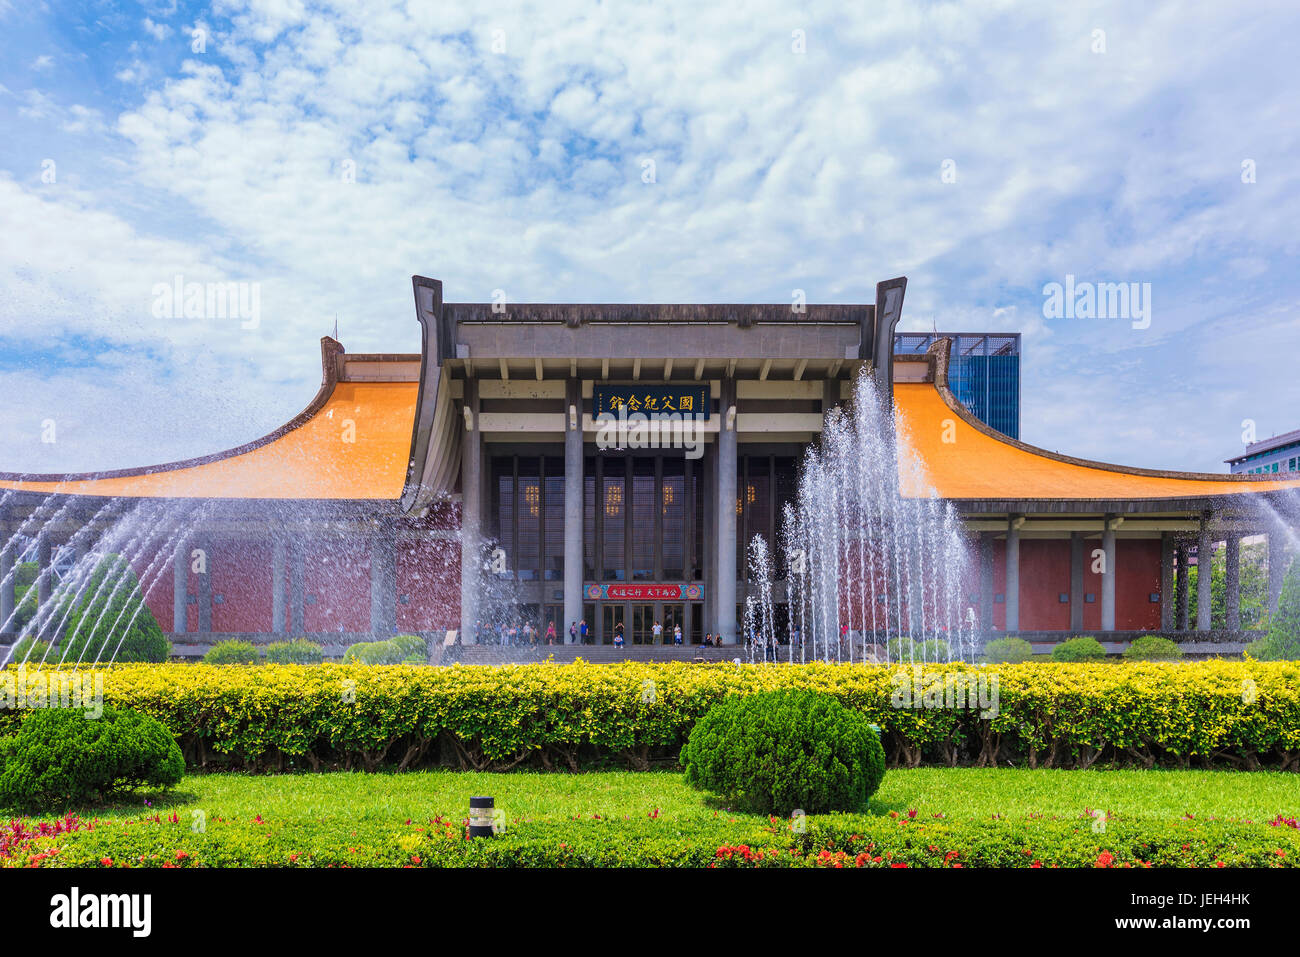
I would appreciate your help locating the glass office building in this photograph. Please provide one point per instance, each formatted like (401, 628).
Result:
(983, 373)
(1281, 453)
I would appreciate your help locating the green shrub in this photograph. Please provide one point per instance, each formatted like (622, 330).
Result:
(906, 649)
(59, 757)
(110, 621)
(1008, 650)
(1153, 648)
(31, 650)
(569, 716)
(402, 650)
(1282, 641)
(299, 651)
(1079, 649)
(778, 751)
(231, 652)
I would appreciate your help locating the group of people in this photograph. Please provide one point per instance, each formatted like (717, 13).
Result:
(580, 633)
(498, 633)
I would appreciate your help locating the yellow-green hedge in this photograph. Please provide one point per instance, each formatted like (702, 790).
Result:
(1246, 714)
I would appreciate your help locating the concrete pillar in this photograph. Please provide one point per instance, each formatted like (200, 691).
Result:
(471, 511)
(297, 586)
(7, 576)
(1166, 582)
(1232, 579)
(180, 588)
(1076, 582)
(279, 562)
(1204, 566)
(986, 582)
(1108, 575)
(1013, 573)
(1184, 563)
(1276, 567)
(45, 573)
(383, 583)
(205, 587)
(573, 507)
(726, 516)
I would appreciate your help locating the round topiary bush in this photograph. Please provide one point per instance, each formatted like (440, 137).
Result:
(60, 758)
(1079, 649)
(781, 751)
(1008, 650)
(1153, 648)
(300, 651)
(231, 652)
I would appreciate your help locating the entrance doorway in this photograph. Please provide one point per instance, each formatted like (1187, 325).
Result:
(674, 616)
(643, 619)
(611, 615)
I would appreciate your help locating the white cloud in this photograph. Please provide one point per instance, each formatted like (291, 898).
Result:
(522, 170)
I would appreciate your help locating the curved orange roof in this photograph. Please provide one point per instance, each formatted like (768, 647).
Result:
(312, 458)
(977, 462)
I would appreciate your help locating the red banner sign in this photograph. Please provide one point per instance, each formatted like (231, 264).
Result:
(692, 591)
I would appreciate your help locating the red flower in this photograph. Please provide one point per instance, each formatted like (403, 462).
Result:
(911, 814)
(106, 861)
(898, 864)
(1105, 859)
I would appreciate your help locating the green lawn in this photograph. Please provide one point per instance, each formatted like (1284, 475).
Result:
(959, 793)
(655, 817)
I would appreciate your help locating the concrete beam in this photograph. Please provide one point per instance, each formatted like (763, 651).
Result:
(726, 519)
(573, 512)
(1204, 564)
(1232, 579)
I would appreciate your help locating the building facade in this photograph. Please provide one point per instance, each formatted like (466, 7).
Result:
(608, 463)
(1273, 456)
(983, 372)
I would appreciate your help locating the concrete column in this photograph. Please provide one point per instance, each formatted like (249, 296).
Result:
(471, 517)
(205, 587)
(1166, 582)
(986, 582)
(297, 586)
(1232, 594)
(1013, 573)
(1204, 566)
(383, 583)
(279, 562)
(180, 588)
(726, 516)
(7, 576)
(1108, 576)
(1181, 607)
(1076, 582)
(573, 506)
(45, 573)
(1276, 567)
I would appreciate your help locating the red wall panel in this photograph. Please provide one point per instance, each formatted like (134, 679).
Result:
(336, 586)
(241, 575)
(1137, 562)
(428, 575)
(1044, 577)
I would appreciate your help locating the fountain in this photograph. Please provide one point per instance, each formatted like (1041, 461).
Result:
(871, 574)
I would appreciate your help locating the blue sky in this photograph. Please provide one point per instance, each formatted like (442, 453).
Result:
(502, 146)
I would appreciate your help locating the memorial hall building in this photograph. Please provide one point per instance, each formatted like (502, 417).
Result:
(609, 463)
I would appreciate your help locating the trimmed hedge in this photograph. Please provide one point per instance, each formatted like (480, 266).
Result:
(1007, 650)
(299, 651)
(1241, 714)
(231, 652)
(1079, 649)
(1153, 648)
